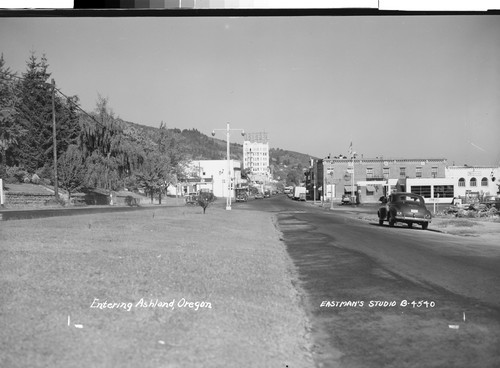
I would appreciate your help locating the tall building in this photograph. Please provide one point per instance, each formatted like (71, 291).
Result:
(256, 156)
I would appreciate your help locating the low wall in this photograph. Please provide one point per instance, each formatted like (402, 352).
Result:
(27, 199)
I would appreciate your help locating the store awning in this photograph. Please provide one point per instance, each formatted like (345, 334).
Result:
(392, 182)
(370, 188)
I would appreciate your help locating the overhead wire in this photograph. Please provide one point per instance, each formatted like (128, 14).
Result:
(69, 99)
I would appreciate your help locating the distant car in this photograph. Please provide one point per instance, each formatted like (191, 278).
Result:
(346, 199)
(267, 194)
(241, 195)
(404, 207)
(259, 196)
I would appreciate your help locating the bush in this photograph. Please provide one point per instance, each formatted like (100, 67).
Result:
(204, 199)
(45, 174)
(16, 174)
(35, 179)
(131, 201)
(55, 202)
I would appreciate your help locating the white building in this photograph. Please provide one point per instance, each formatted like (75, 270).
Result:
(474, 180)
(256, 156)
(212, 175)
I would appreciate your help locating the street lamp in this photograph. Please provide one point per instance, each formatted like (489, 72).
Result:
(331, 189)
(228, 200)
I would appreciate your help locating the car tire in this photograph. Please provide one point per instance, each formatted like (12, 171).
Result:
(425, 225)
(410, 224)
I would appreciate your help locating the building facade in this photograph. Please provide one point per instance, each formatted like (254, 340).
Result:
(366, 180)
(474, 180)
(256, 156)
(212, 175)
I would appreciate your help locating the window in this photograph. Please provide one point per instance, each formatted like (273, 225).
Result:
(434, 172)
(484, 182)
(443, 191)
(461, 182)
(418, 172)
(423, 190)
(473, 182)
(385, 172)
(369, 172)
(402, 172)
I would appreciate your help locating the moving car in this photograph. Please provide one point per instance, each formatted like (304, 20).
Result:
(259, 196)
(404, 207)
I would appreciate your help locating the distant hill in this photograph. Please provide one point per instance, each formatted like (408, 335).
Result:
(285, 165)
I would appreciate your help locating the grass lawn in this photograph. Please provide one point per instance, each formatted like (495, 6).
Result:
(185, 290)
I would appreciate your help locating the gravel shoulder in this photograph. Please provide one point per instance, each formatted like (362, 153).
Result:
(162, 287)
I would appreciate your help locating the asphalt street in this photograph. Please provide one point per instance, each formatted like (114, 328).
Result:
(352, 270)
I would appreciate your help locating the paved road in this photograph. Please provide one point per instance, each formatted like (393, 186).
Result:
(346, 265)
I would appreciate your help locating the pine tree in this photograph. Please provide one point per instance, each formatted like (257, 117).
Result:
(10, 131)
(34, 115)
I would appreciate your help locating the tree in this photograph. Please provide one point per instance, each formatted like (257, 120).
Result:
(154, 174)
(101, 172)
(204, 199)
(112, 155)
(71, 170)
(11, 132)
(34, 107)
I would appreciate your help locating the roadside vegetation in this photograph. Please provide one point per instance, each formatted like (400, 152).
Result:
(98, 149)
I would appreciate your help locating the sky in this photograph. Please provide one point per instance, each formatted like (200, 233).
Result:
(394, 86)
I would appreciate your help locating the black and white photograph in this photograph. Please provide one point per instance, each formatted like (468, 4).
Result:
(287, 188)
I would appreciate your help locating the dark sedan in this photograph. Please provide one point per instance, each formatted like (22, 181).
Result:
(403, 207)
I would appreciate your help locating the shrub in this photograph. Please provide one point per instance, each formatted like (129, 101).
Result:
(16, 174)
(131, 201)
(35, 179)
(204, 199)
(55, 202)
(45, 173)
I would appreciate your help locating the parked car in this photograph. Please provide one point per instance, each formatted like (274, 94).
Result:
(259, 196)
(191, 199)
(346, 199)
(403, 207)
(267, 194)
(241, 195)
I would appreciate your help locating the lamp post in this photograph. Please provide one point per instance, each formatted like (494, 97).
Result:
(331, 189)
(228, 176)
(353, 156)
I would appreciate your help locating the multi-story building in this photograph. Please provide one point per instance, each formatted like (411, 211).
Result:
(369, 179)
(256, 156)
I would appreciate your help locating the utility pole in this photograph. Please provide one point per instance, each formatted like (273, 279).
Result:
(228, 174)
(54, 139)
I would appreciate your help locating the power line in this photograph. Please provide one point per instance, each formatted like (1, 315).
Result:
(69, 99)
